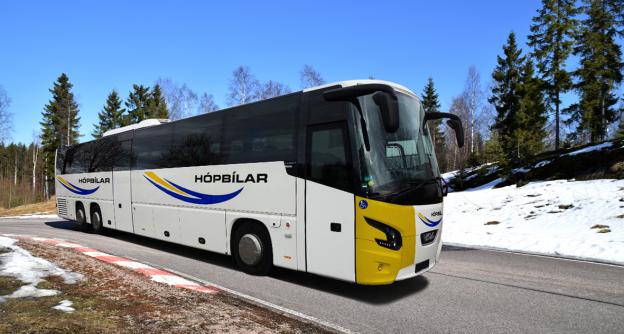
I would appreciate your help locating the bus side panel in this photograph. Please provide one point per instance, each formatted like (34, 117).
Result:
(263, 187)
(143, 219)
(208, 225)
(330, 232)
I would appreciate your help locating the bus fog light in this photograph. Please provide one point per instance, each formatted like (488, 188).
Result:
(428, 237)
(380, 267)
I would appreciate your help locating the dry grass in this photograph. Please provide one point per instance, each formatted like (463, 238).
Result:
(41, 207)
(116, 300)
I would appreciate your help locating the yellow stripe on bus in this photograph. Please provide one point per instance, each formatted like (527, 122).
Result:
(63, 181)
(164, 183)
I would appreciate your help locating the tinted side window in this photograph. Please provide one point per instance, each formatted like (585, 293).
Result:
(197, 141)
(60, 160)
(261, 132)
(72, 161)
(122, 154)
(329, 162)
(152, 148)
(97, 156)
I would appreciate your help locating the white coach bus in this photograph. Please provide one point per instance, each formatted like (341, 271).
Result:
(339, 180)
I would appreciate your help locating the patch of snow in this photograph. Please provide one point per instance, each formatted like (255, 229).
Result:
(31, 270)
(449, 175)
(31, 291)
(65, 306)
(488, 185)
(537, 218)
(590, 148)
(522, 170)
(542, 163)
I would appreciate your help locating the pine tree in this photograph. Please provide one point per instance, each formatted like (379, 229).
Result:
(60, 122)
(506, 96)
(137, 104)
(157, 106)
(600, 71)
(431, 103)
(552, 36)
(493, 151)
(111, 116)
(532, 114)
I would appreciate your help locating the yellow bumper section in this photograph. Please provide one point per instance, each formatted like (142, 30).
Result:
(374, 264)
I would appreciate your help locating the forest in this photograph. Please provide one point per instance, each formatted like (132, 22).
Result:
(573, 48)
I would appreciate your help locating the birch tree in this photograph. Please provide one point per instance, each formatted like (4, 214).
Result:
(6, 119)
(271, 89)
(181, 100)
(243, 87)
(207, 104)
(310, 77)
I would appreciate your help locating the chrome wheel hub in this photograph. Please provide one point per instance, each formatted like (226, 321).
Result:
(250, 249)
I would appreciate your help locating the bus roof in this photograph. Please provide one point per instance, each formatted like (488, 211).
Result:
(142, 124)
(348, 83)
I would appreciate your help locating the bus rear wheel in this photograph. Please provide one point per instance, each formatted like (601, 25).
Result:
(252, 249)
(96, 221)
(81, 217)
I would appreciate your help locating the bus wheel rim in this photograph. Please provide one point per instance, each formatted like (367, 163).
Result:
(250, 249)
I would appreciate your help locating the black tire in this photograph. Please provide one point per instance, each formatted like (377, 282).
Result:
(96, 221)
(81, 218)
(258, 233)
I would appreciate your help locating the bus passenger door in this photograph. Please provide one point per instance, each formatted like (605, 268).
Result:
(122, 192)
(330, 220)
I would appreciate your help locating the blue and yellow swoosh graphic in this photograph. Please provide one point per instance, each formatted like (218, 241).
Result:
(75, 189)
(428, 222)
(187, 195)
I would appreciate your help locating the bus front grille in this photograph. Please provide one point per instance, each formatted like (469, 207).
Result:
(61, 205)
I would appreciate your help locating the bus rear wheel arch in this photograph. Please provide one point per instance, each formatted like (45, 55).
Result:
(251, 247)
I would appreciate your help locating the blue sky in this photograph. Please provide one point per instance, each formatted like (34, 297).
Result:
(112, 44)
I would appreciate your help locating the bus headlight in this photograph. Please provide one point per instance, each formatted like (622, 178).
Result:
(393, 237)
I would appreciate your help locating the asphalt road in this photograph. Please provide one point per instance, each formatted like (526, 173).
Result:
(469, 291)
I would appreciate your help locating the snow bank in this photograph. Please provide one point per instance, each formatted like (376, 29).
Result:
(553, 217)
(592, 148)
(31, 270)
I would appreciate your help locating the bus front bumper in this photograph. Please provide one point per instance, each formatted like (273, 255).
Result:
(378, 264)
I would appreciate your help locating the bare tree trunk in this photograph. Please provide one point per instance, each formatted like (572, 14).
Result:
(34, 170)
(557, 125)
(46, 191)
(15, 171)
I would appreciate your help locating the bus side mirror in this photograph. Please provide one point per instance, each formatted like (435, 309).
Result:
(454, 123)
(389, 108)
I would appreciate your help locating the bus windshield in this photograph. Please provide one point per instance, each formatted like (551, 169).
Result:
(397, 162)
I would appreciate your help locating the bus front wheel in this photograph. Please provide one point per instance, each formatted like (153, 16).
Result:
(252, 249)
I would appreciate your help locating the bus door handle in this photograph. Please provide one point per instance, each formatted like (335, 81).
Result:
(335, 227)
